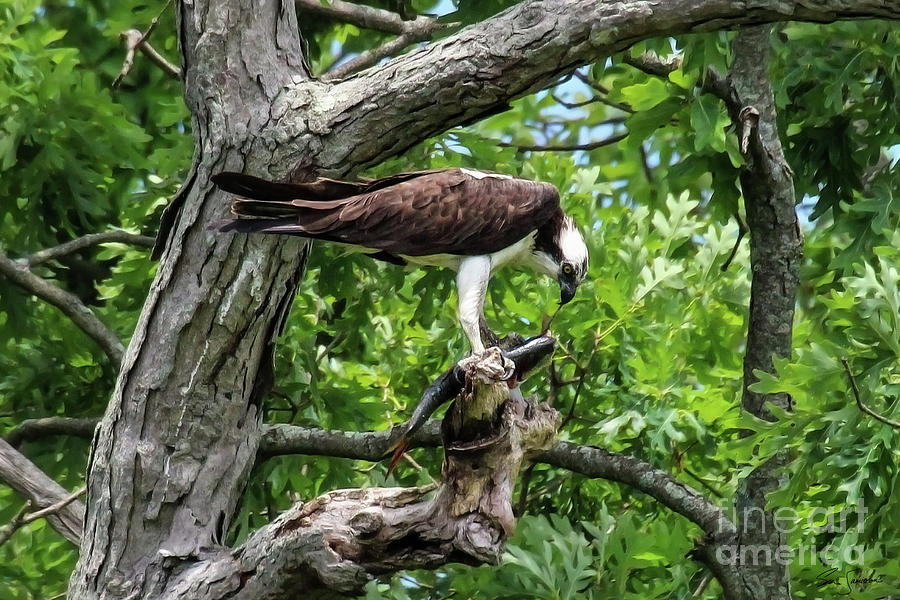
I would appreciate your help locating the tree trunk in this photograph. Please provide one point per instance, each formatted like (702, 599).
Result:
(775, 254)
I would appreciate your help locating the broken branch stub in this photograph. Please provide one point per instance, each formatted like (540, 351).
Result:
(345, 537)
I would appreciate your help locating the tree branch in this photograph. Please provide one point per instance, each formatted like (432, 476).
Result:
(135, 40)
(859, 401)
(370, 57)
(42, 492)
(86, 241)
(463, 79)
(68, 303)
(33, 429)
(23, 517)
(652, 64)
(281, 439)
(567, 147)
(408, 32)
(775, 256)
(370, 17)
(16, 523)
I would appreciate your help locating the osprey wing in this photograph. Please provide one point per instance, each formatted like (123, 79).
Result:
(321, 188)
(450, 211)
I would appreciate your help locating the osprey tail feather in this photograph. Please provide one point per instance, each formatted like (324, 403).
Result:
(282, 226)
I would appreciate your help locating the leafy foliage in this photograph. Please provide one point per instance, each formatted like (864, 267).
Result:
(651, 358)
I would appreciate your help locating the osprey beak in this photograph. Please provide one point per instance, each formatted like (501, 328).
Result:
(567, 289)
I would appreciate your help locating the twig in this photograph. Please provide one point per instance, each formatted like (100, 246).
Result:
(859, 401)
(713, 82)
(337, 339)
(135, 40)
(409, 32)
(572, 105)
(28, 480)
(15, 524)
(68, 303)
(370, 57)
(567, 147)
(56, 507)
(742, 231)
(525, 483)
(23, 518)
(91, 239)
(707, 578)
(590, 81)
(703, 482)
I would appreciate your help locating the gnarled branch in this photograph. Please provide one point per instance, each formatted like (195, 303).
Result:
(68, 303)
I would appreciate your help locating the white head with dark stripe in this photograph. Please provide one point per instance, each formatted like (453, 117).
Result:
(560, 252)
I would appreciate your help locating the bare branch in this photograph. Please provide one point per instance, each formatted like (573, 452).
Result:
(32, 429)
(15, 523)
(41, 491)
(86, 241)
(713, 82)
(590, 81)
(56, 507)
(573, 105)
(135, 40)
(701, 587)
(23, 518)
(132, 38)
(68, 303)
(370, 57)
(742, 231)
(408, 32)
(369, 17)
(283, 439)
(586, 460)
(567, 147)
(859, 401)
(652, 64)
(170, 69)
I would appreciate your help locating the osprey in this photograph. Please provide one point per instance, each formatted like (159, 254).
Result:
(470, 221)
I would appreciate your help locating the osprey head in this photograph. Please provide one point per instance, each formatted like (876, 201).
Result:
(560, 252)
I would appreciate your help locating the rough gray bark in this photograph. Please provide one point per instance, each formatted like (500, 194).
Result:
(775, 255)
(181, 433)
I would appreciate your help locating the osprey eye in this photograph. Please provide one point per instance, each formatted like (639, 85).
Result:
(567, 269)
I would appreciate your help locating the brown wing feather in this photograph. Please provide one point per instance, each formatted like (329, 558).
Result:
(436, 212)
(322, 189)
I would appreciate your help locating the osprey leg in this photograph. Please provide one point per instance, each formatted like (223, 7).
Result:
(471, 282)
